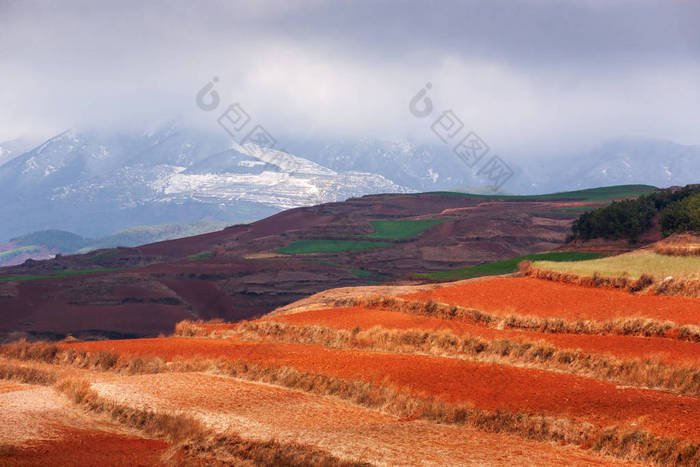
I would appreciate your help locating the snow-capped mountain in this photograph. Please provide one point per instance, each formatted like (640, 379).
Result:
(436, 167)
(419, 166)
(97, 183)
(274, 178)
(625, 161)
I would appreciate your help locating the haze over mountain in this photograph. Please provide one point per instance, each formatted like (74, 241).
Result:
(95, 183)
(11, 149)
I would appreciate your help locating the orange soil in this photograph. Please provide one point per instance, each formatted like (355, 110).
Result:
(86, 447)
(665, 350)
(535, 297)
(487, 386)
(261, 412)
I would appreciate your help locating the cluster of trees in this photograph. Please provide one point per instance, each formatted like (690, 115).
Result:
(681, 216)
(678, 211)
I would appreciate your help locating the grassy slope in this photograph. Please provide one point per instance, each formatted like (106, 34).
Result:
(401, 228)
(633, 264)
(303, 247)
(507, 266)
(608, 193)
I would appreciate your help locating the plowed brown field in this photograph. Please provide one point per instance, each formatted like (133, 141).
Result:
(664, 350)
(486, 386)
(546, 299)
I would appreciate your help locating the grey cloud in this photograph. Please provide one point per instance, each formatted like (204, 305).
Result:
(526, 74)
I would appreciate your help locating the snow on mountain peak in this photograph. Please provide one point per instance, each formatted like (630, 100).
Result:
(284, 161)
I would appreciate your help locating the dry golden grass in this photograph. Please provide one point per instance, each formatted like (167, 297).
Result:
(194, 440)
(638, 373)
(632, 265)
(212, 328)
(680, 287)
(45, 352)
(669, 270)
(679, 245)
(27, 375)
(644, 327)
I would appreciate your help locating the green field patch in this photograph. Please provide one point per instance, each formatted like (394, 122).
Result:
(305, 247)
(58, 275)
(361, 273)
(608, 193)
(506, 267)
(401, 228)
(202, 255)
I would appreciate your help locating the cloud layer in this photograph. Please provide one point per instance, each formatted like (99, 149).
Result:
(528, 76)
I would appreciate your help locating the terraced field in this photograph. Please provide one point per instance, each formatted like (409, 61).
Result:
(498, 371)
(544, 299)
(305, 247)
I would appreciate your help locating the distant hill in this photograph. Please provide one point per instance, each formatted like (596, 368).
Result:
(48, 243)
(250, 269)
(144, 234)
(59, 240)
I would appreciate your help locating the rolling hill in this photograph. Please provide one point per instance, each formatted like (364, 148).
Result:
(250, 269)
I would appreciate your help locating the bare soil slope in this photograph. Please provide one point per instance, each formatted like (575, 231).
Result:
(236, 273)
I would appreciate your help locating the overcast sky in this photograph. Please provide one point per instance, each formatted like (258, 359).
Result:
(527, 76)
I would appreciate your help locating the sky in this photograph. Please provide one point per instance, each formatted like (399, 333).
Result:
(530, 77)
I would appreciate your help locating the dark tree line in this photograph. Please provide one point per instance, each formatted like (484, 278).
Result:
(681, 216)
(678, 211)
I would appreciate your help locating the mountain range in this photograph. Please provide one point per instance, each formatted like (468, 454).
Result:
(95, 183)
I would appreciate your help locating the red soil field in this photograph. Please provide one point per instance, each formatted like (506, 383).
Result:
(86, 447)
(547, 299)
(664, 350)
(486, 386)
